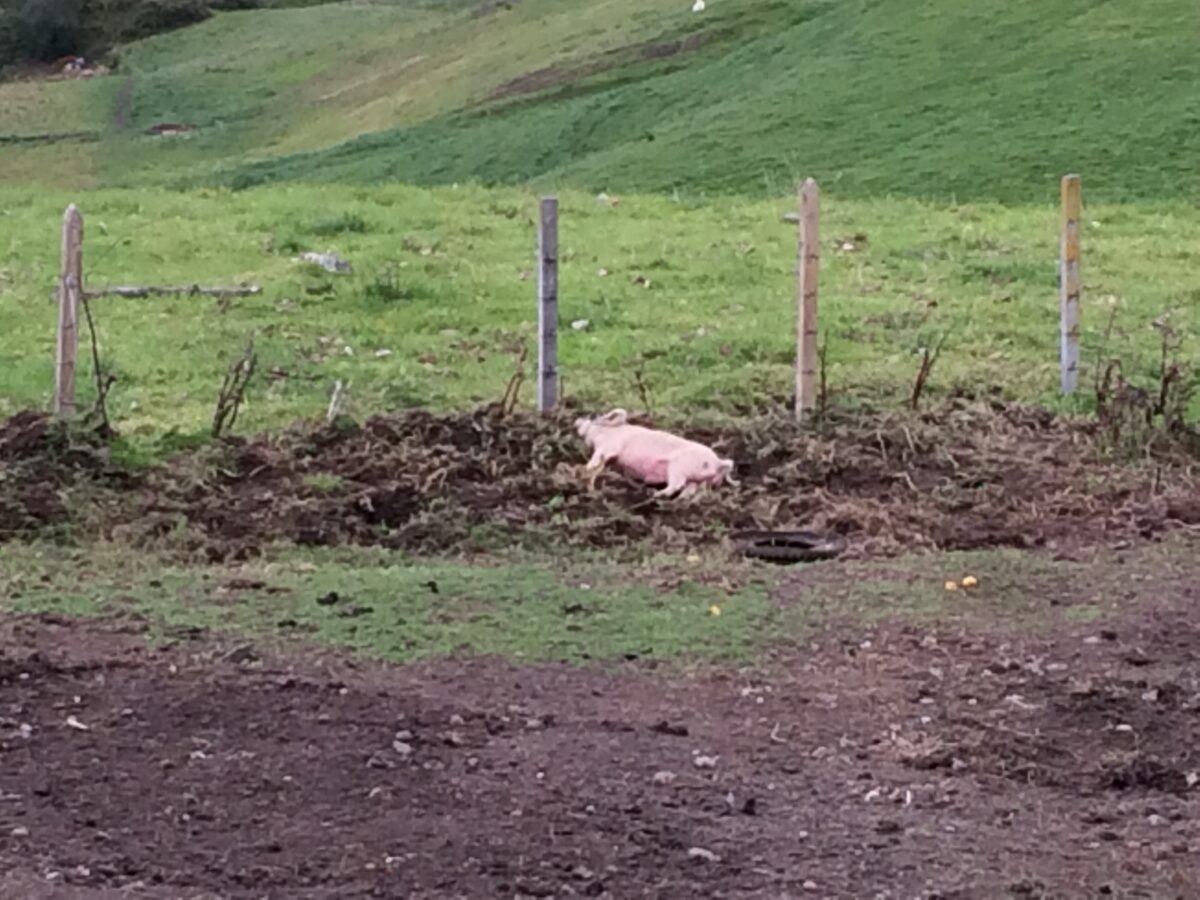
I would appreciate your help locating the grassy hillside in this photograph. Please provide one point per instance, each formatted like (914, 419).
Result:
(930, 99)
(688, 308)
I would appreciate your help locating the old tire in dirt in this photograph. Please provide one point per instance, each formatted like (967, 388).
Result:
(788, 546)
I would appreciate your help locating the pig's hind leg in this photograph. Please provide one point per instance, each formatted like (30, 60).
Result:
(677, 480)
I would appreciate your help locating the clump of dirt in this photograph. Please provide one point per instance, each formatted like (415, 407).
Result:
(971, 475)
(40, 461)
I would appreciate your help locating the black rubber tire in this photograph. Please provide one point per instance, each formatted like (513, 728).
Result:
(789, 546)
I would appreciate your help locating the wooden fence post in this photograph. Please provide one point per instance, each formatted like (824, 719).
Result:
(70, 286)
(1069, 282)
(547, 384)
(809, 264)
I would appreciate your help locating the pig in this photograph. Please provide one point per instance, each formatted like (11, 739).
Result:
(656, 457)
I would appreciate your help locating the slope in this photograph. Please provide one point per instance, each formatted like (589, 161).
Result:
(928, 99)
(935, 98)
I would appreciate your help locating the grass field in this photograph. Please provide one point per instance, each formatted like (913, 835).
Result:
(689, 308)
(873, 98)
(386, 605)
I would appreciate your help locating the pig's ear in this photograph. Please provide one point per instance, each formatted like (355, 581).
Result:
(615, 417)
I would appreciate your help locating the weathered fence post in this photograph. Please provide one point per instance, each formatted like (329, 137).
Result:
(809, 264)
(547, 384)
(70, 286)
(1069, 282)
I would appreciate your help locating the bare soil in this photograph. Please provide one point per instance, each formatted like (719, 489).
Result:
(539, 80)
(889, 761)
(970, 475)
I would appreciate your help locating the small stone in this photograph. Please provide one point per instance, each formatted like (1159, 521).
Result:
(20, 831)
(581, 324)
(702, 854)
(330, 262)
(242, 654)
(809, 885)
(705, 762)
(73, 722)
(403, 748)
(377, 761)
(663, 777)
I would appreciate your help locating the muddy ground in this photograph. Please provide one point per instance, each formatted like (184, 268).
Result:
(969, 475)
(884, 761)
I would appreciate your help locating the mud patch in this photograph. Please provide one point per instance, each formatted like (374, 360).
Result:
(968, 477)
(191, 770)
(1102, 718)
(41, 463)
(553, 76)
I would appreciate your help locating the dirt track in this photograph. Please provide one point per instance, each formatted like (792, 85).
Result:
(883, 762)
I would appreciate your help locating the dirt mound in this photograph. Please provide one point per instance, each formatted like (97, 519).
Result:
(971, 475)
(40, 461)
(968, 476)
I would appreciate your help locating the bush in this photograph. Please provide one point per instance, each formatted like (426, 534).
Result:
(156, 16)
(40, 29)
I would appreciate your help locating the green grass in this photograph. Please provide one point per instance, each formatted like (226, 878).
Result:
(530, 609)
(536, 607)
(1012, 586)
(936, 99)
(442, 298)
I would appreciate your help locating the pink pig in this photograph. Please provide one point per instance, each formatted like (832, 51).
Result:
(656, 457)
